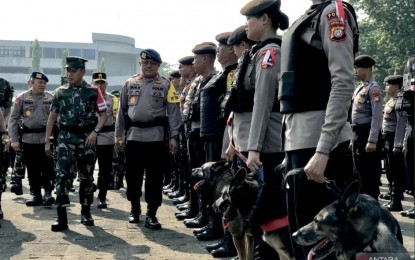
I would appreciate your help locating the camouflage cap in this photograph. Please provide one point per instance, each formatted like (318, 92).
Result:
(99, 76)
(364, 61)
(75, 62)
(39, 75)
(254, 7)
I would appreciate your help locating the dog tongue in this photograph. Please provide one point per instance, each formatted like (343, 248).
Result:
(310, 255)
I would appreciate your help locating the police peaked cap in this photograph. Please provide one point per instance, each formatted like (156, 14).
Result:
(99, 76)
(39, 75)
(150, 54)
(394, 80)
(188, 60)
(254, 7)
(205, 48)
(75, 62)
(364, 61)
(222, 38)
(175, 74)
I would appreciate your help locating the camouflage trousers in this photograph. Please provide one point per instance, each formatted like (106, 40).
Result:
(66, 156)
(3, 168)
(19, 168)
(118, 164)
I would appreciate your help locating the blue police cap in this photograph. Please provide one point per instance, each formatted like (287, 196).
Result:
(150, 54)
(39, 75)
(364, 61)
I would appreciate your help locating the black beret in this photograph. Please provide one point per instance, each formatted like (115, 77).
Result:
(39, 75)
(237, 36)
(175, 74)
(205, 48)
(188, 60)
(364, 61)
(75, 62)
(150, 54)
(254, 7)
(222, 38)
(99, 76)
(394, 80)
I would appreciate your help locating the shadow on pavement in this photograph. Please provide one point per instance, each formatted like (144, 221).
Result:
(12, 239)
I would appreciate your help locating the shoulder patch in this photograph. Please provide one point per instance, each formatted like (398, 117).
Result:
(337, 31)
(268, 58)
(331, 15)
(376, 96)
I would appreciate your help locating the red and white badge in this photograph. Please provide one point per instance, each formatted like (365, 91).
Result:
(101, 105)
(268, 58)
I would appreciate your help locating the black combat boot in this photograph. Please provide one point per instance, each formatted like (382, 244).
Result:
(86, 217)
(214, 231)
(151, 220)
(17, 187)
(61, 222)
(224, 248)
(48, 199)
(102, 201)
(35, 201)
(134, 216)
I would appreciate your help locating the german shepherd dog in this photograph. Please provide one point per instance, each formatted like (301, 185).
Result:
(238, 196)
(355, 223)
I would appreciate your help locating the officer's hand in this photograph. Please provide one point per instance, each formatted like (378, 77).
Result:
(48, 150)
(253, 161)
(6, 141)
(351, 146)
(396, 150)
(370, 147)
(119, 143)
(229, 153)
(174, 146)
(91, 140)
(15, 146)
(316, 166)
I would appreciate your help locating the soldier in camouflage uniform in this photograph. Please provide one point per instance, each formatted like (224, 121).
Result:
(19, 167)
(76, 104)
(32, 107)
(6, 95)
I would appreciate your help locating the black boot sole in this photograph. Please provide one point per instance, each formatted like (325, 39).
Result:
(61, 227)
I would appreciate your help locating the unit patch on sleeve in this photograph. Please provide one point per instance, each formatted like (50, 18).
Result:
(337, 31)
(268, 58)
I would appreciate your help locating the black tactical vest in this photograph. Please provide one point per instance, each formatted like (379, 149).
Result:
(211, 122)
(305, 76)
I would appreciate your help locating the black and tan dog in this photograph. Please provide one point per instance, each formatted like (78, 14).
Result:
(355, 223)
(238, 196)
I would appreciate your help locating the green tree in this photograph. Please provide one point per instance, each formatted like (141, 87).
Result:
(165, 69)
(36, 53)
(64, 55)
(102, 67)
(387, 34)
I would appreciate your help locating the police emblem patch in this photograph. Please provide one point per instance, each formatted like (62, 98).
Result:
(268, 58)
(132, 101)
(337, 31)
(27, 112)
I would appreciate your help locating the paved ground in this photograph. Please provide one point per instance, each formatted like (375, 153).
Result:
(25, 232)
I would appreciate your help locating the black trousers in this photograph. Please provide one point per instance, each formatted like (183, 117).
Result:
(306, 198)
(395, 170)
(197, 157)
(409, 155)
(213, 149)
(367, 164)
(145, 157)
(39, 168)
(104, 157)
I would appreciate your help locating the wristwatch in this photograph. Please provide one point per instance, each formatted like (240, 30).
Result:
(97, 130)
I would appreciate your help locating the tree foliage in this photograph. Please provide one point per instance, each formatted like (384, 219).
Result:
(36, 53)
(102, 67)
(64, 55)
(387, 33)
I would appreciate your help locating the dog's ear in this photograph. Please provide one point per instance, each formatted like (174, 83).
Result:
(350, 196)
(218, 165)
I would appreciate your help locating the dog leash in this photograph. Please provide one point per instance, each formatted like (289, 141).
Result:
(330, 184)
